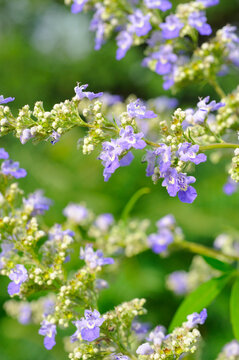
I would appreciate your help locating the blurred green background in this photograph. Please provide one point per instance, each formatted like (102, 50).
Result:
(44, 51)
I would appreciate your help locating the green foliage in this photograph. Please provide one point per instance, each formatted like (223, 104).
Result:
(234, 308)
(199, 299)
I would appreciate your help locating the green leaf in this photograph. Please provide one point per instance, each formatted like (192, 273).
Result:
(199, 299)
(218, 265)
(234, 308)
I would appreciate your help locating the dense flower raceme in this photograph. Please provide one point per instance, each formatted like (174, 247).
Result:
(32, 267)
(169, 156)
(166, 35)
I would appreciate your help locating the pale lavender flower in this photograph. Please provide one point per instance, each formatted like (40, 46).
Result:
(101, 284)
(81, 93)
(104, 221)
(9, 167)
(138, 109)
(55, 136)
(140, 23)
(162, 5)
(5, 101)
(6, 252)
(94, 258)
(204, 108)
(38, 203)
(165, 59)
(179, 183)
(25, 314)
(178, 282)
(140, 329)
(25, 136)
(231, 349)
(3, 154)
(144, 349)
(188, 152)
(49, 331)
(120, 357)
(109, 99)
(78, 6)
(171, 28)
(163, 157)
(150, 158)
(198, 20)
(88, 326)
(57, 234)
(110, 157)
(18, 275)
(196, 319)
(160, 241)
(97, 25)
(208, 3)
(128, 139)
(49, 306)
(76, 213)
(164, 103)
(157, 335)
(167, 221)
(230, 187)
(124, 41)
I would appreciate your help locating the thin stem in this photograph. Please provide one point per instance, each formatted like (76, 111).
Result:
(219, 146)
(217, 88)
(131, 203)
(205, 251)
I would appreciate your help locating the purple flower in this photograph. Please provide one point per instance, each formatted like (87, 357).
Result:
(167, 221)
(231, 349)
(49, 331)
(178, 183)
(49, 306)
(6, 252)
(230, 187)
(140, 23)
(88, 326)
(80, 93)
(165, 59)
(38, 203)
(159, 242)
(97, 25)
(188, 152)
(124, 41)
(164, 103)
(162, 5)
(140, 329)
(25, 314)
(198, 21)
(104, 221)
(109, 99)
(157, 335)
(110, 157)
(25, 136)
(138, 109)
(150, 158)
(57, 234)
(128, 139)
(9, 167)
(208, 3)
(18, 275)
(164, 157)
(178, 282)
(196, 319)
(3, 154)
(101, 284)
(76, 213)
(144, 349)
(78, 6)
(171, 28)
(121, 357)
(204, 108)
(5, 101)
(94, 258)
(55, 136)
